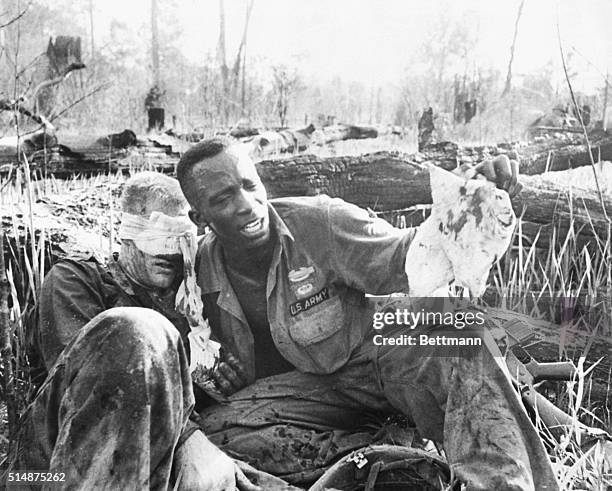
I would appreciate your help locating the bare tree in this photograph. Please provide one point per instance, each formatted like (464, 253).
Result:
(231, 78)
(155, 42)
(91, 29)
(286, 80)
(508, 84)
(605, 104)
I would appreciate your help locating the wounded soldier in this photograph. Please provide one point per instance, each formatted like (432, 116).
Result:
(114, 409)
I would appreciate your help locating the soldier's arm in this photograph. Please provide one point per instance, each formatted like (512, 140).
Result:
(70, 298)
(368, 253)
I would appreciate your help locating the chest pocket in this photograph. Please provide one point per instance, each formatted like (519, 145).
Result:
(321, 335)
(318, 323)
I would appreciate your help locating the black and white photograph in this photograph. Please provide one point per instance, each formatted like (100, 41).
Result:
(267, 245)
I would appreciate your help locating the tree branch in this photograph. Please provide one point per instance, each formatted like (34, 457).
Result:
(16, 106)
(80, 99)
(19, 16)
(508, 85)
(58, 79)
(236, 68)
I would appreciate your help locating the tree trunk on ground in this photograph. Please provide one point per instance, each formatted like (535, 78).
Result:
(550, 154)
(386, 181)
(382, 181)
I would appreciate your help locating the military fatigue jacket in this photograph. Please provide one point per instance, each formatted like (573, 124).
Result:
(74, 292)
(328, 254)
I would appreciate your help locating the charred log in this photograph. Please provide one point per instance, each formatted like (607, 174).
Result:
(386, 181)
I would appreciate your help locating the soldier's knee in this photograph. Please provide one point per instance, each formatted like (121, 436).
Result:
(134, 326)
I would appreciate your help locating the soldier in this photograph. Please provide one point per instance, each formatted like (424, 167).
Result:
(114, 410)
(283, 284)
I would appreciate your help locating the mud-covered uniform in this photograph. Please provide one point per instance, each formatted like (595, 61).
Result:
(75, 292)
(118, 394)
(117, 400)
(328, 253)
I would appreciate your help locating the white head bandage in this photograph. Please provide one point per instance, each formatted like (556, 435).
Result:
(157, 235)
(161, 234)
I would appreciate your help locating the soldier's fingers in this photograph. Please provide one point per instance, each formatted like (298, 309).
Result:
(514, 169)
(503, 171)
(515, 190)
(230, 375)
(243, 483)
(486, 169)
(237, 366)
(222, 383)
(466, 171)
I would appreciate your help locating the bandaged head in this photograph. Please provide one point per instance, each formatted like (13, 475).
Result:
(155, 221)
(158, 234)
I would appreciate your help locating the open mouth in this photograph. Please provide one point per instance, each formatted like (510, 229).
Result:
(254, 227)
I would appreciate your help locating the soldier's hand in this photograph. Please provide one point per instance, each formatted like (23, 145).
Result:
(230, 375)
(201, 465)
(503, 172)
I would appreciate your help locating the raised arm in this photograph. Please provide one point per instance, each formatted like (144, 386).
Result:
(367, 252)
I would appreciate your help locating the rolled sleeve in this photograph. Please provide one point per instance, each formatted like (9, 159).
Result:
(368, 252)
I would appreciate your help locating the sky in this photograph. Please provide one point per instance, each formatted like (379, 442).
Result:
(372, 40)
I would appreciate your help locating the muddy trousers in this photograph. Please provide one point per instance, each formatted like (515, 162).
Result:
(114, 408)
(111, 411)
(292, 424)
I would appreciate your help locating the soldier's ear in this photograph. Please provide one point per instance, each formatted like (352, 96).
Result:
(445, 186)
(198, 218)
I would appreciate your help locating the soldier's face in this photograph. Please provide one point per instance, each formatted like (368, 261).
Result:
(232, 200)
(155, 272)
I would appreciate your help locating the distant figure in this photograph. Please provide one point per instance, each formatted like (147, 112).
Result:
(586, 114)
(470, 110)
(153, 103)
(425, 127)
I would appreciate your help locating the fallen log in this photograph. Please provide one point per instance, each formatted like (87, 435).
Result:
(382, 181)
(342, 131)
(386, 181)
(542, 155)
(88, 155)
(274, 142)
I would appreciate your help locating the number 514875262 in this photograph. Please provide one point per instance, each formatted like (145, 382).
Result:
(27, 477)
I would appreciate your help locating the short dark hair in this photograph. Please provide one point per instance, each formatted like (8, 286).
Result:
(200, 151)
